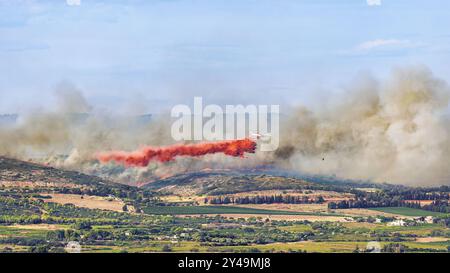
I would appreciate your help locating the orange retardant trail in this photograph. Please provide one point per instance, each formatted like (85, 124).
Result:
(144, 155)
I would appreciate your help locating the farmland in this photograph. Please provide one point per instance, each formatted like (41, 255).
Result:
(408, 211)
(215, 210)
(86, 201)
(284, 215)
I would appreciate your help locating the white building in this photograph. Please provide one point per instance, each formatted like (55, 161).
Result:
(397, 223)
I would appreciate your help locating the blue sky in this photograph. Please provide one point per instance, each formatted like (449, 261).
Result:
(149, 54)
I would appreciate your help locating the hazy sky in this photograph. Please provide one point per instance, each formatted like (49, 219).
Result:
(146, 54)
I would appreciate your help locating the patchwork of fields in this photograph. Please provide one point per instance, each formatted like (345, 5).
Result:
(348, 237)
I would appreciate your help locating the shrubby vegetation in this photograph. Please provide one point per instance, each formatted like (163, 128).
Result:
(399, 196)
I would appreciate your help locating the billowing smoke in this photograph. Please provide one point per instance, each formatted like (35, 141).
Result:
(395, 131)
(143, 156)
(71, 134)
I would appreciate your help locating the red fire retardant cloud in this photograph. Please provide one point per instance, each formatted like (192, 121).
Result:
(144, 155)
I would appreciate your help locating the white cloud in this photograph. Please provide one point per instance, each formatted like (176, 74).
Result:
(374, 2)
(73, 2)
(383, 46)
(384, 43)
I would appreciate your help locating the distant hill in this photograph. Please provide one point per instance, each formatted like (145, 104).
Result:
(8, 119)
(234, 181)
(215, 183)
(29, 173)
(77, 118)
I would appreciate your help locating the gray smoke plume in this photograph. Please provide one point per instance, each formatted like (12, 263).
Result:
(396, 131)
(71, 135)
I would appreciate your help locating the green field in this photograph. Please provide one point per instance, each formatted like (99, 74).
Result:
(18, 232)
(408, 211)
(215, 210)
(334, 246)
